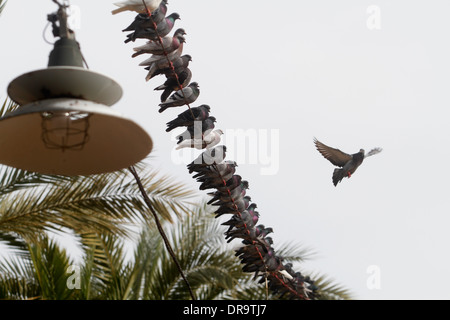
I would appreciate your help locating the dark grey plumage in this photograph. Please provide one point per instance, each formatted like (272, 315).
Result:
(182, 97)
(142, 20)
(348, 163)
(197, 129)
(208, 158)
(162, 30)
(167, 45)
(174, 83)
(162, 66)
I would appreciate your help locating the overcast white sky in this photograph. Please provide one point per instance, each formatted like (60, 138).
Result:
(299, 69)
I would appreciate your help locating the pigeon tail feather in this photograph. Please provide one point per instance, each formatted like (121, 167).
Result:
(338, 175)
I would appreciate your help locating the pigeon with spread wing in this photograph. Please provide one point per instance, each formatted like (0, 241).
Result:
(348, 163)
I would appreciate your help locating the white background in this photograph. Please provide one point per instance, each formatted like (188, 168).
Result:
(304, 68)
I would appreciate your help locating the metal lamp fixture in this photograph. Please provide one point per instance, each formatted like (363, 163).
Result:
(64, 124)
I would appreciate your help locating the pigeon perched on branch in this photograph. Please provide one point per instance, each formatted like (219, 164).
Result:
(207, 158)
(182, 97)
(208, 141)
(162, 29)
(163, 59)
(228, 195)
(137, 6)
(222, 170)
(197, 130)
(185, 118)
(169, 45)
(162, 66)
(143, 20)
(348, 163)
(175, 82)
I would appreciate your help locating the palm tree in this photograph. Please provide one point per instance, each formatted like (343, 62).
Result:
(106, 273)
(32, 204)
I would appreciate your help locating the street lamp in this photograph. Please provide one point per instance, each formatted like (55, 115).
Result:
(64, 124)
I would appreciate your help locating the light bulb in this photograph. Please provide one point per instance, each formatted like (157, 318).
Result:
(65, 130)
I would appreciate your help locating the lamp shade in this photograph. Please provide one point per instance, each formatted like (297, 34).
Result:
(107, 141)
(64, 81)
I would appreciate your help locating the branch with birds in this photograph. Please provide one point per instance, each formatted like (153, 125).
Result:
(210, 169)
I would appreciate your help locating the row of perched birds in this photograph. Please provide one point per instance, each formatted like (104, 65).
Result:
(210, 169)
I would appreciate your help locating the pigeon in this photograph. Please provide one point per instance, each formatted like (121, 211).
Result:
(217, 180)
(197, 130)
(207, 158)
(182, 97)
(142, 20)
(231, 184)
(169, 45)
(163, 66)
(208, 141)
(174, 83)
(188, 117)
(162, 29)
(221, 170)
(163, 59)
(228, 195)
(244, 220)
(137, 6)
(348, 163)
(233, 206)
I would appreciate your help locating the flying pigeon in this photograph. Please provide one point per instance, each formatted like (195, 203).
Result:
(162, 66)
(162, 29)
(208, 141)
(169, 45)
(348, 163)
(182, 97)
(136, 5)
(174, 83)
(185, 119)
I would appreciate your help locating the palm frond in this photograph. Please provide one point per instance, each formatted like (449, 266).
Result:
(50, 265)
(32, 202)
(293, 252)
(17, 279)
(8, 105)
(2, 6)
(329, 289)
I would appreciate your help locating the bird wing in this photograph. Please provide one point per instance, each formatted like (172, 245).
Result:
(373, 152)
(335, 156)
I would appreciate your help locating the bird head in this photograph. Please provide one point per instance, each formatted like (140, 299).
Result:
(180, 31)
(174, 16)
(362, 151)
